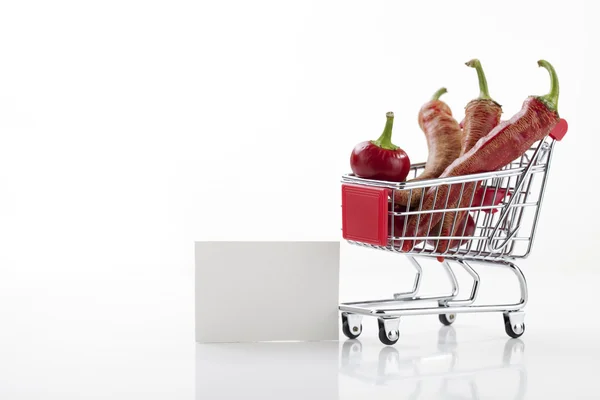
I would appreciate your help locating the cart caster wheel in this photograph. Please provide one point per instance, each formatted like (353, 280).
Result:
(514, 324)
(447, 319)
(351, 325)
(388, 330)
(348, 332)
(514, 331)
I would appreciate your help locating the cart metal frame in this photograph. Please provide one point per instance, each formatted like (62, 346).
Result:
(506, 213)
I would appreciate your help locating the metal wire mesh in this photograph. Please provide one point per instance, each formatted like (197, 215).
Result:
(502, 207)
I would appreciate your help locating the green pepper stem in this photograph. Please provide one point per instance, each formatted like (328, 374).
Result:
(483, 86)
(550, 99)
(385, 140)
(436, 95)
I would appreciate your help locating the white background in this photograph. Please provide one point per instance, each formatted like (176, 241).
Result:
(130, 129)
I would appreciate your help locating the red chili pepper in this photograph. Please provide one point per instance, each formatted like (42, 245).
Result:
(505, 143)
(398, 222)
(464, 227)
(481, 116)
(380, 159)
(490, 196)
(443, 144)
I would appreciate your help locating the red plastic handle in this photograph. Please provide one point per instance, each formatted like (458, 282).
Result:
(560, 130)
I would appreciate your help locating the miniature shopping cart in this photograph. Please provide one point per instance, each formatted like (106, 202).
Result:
(505, 208)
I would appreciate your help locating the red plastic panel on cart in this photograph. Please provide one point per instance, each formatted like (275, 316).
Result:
(365, 214)
(560, 130)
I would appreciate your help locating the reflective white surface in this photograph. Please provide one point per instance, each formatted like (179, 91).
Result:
(442, 369)
(441, 363)
(122, 347)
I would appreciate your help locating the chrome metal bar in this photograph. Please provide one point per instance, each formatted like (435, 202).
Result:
(445, 213)
(461, 254)
(471, 187)
(512, 221)
(393, 217)
(541, 198)
(488, 219)
(452, 237)
(499, 182)
(506, 210)
(401, 298)
(466, 218)
(478, 213)
(406, 219)
(421, 207)
(373, 304)
(426, 183)
(526, 194)
(474, 290)
(443, 309)
(452, 277)
(417, 284)
(400, 312)
(444, 210)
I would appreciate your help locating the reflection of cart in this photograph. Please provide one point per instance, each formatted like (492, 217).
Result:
(441, 366)
(504, 206)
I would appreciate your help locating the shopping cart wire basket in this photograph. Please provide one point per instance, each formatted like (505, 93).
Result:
(504, 208)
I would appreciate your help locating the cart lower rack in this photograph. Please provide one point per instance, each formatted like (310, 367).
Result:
(502, 209)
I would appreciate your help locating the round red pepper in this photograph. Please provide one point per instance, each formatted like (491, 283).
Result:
(380, 159)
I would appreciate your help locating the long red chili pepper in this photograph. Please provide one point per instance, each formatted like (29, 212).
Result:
(443, 144)
(481, 116)
(505, 143)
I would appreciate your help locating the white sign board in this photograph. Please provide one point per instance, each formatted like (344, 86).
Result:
(267, 291)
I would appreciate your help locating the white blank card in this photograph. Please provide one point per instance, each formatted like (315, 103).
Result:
(267, 291)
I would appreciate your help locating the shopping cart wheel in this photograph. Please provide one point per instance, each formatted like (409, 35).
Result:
(447, 319)
(388, 330)
(351, 325)
(514, 324)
